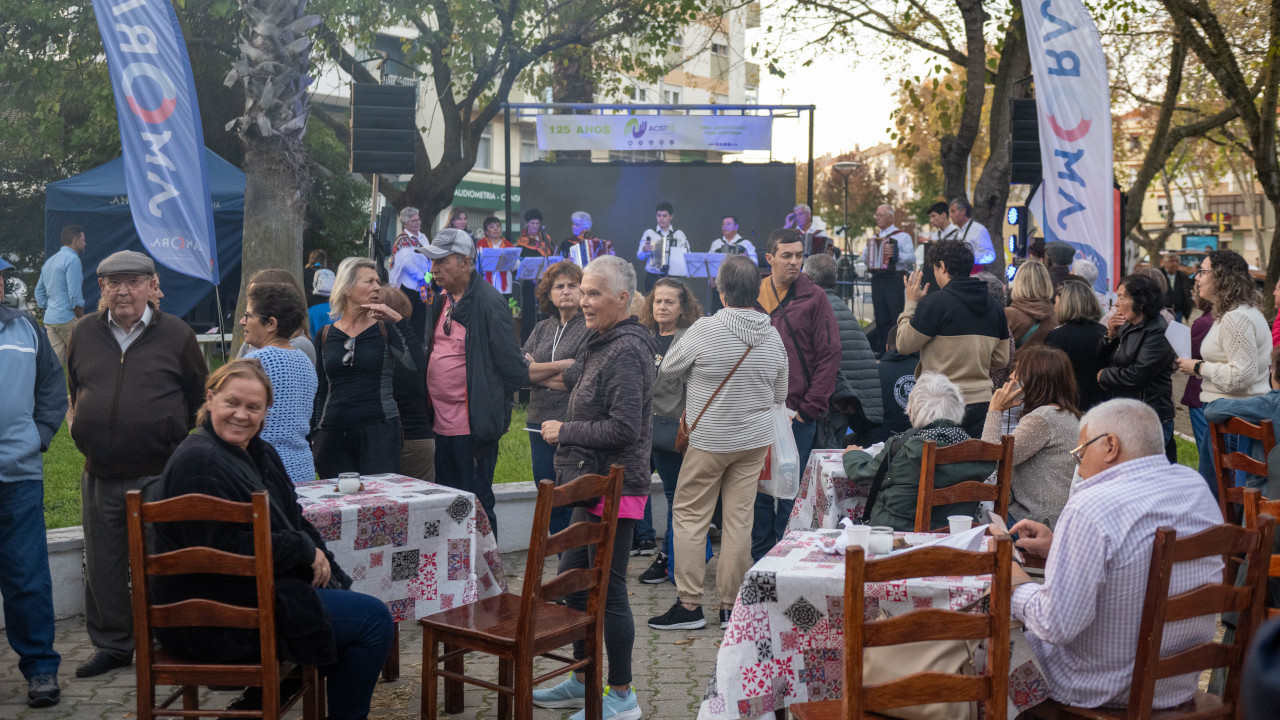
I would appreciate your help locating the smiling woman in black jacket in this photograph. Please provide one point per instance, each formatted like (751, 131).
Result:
(319, 621)
(1136, 356)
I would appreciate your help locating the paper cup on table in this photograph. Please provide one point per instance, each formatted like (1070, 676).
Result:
(959, 523)
(859, 535)
(349, 483)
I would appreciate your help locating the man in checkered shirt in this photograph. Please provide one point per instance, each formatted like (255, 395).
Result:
(1082, 623)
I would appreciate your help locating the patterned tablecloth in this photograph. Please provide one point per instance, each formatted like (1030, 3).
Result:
(417, 546)
(785, 640)
(826, 494)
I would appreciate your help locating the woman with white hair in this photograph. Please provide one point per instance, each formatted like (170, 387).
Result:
(609, 422)
(355, 423)
(583, 246)
(935, 407)
(410, 271)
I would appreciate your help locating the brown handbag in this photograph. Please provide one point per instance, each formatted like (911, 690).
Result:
(684, 431)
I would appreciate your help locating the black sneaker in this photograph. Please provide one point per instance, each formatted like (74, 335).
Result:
(657, 572)
(725, 614)
(43, 691)
(678, 618)
(645, 547)
(635, 548)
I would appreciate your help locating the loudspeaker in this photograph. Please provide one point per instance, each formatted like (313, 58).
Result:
(383, 128)
(1024, 142)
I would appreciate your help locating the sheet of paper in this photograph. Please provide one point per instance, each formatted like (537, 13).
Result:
(1179, 337)
(970, 540)
(676, 266)
(999, 528)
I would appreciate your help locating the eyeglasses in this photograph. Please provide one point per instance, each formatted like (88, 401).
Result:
(1078, 453)
(248, 315)
(349, 359)
(133, 283)
(448, 321)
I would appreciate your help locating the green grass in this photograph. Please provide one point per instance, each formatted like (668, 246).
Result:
(1188, 454)
(63, 464)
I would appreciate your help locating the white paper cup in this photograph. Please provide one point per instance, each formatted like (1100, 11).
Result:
(859, 535)
(959, 523)
(349, 483)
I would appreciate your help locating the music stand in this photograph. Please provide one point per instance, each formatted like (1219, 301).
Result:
(532, 268)
(705, 265)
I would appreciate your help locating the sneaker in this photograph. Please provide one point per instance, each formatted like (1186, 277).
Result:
(657, 572)
(646, 547)
(635, 548)
(678, 618)
(725, 614)
(616, 708)
(43, 690)
(568, 694)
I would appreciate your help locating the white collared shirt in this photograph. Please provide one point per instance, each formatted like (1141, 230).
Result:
(873, 254)
(737, 246)
(126, 336)
(658, 239)
(978, 238)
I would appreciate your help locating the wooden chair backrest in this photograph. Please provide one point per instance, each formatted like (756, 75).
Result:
(969, 490)
(594, 579)
(1255, 506)
(1226, 463)
(1211, 599)
(991, 687)
(204, 560)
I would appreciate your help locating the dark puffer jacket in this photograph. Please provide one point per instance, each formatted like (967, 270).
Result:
(610, 419)
(1139, 365)
(857, 366)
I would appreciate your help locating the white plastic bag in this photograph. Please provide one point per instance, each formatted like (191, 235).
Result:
(780, 476)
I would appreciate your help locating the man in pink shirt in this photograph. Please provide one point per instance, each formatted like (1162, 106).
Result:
(473, 368)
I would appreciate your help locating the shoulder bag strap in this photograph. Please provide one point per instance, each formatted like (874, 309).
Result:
(883, 471)
(1030, 333)
(718, 389)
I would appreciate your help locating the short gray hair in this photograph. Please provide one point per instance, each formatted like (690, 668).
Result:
(347, 271)
(934, 398)
(1085, 269)
(582, 216)
(821, 269)
(1133, 423)
(407, 213)
(804, 207)
(617, 272)
(739, 281)
(995, 286)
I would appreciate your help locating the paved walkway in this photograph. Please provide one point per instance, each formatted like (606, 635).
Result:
(671, 667)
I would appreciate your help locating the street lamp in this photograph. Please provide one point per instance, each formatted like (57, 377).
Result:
(846, 169)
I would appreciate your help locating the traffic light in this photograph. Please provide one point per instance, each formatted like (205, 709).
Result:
(1019, 216)
(1223, 220)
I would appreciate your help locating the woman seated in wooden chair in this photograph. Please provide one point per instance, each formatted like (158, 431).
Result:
(319, 621)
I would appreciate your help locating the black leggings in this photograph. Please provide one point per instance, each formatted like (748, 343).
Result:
(619, 625)
(369, 448)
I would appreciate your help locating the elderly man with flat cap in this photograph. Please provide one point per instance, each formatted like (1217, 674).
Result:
(473, 367)
(136, 377)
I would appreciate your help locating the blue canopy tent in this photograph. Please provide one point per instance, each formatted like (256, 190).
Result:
(98, 201)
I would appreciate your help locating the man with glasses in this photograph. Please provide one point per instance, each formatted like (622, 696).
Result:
(1083, 622)
(136, 377)
(473, 367)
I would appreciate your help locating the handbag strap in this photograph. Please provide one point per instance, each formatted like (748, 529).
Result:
(718, 389)
(894, 446)
(1030, 333)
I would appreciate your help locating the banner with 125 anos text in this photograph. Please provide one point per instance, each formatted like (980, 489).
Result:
(654, 132)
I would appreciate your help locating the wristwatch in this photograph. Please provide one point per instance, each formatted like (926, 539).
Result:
(1197, 368)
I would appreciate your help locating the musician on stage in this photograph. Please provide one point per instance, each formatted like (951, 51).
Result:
(657, 245)
(582, 247)
(729, 243)
(535, 241)
(493, 238)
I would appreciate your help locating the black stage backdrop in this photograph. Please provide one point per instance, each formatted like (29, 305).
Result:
(621, 198)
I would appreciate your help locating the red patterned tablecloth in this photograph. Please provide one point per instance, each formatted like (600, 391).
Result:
(417, 546)
(785, 640)
(826, 494)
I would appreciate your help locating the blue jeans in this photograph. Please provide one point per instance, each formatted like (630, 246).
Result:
(770, 521)
(544, 468)
(24, 577)
(363, 631)
(1200, 428)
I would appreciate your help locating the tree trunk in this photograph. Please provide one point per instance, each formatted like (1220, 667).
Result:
(572, 81)
(954, 150)
(991, 193)
(275, 209)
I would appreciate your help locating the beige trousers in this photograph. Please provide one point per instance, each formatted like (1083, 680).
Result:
(704, 476)
(59, 338)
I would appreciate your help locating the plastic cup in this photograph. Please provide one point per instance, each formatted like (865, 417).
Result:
(349, 483)
(881, 540)
(859, 535)
(959, 523)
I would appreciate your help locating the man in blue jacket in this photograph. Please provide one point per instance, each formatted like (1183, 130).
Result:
(34, 402)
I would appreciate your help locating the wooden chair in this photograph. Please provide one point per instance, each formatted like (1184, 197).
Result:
(1159, 610)
(157, 667)
(991, 687)
(518, 628)
(1226, 463)
(1255, 506)
(970, 490)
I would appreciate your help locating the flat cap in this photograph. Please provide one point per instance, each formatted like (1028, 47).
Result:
(1060, 252)
(126, 262)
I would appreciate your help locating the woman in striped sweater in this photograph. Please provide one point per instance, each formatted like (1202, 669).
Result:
(730, 435)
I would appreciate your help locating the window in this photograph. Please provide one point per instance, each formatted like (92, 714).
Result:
(637, 94)
(529, 150)
(484, 153)
(675, 52)
(719, 61)
(670, 97)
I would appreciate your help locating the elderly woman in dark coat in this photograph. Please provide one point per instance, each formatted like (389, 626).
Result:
(319, 621)
(609, 422)
(1136, 357)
